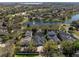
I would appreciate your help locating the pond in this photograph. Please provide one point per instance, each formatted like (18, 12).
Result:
(68, 21)
(73, 18)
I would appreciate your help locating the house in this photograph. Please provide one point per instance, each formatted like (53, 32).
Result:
(52, 35)
(40, 50)
(66, 36)
(39, 38)
(28, 36)
(2, 45)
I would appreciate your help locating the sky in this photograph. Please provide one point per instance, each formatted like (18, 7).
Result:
(39, 0)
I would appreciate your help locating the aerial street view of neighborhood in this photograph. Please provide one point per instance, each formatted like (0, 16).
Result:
(39, 29)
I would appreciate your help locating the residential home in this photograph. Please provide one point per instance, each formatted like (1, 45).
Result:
(53, 36)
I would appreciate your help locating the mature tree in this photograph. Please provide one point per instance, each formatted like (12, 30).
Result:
(13, 27)
(67, 48)
(8, 50)
(76, 45)
(15, 33)
(50, 49)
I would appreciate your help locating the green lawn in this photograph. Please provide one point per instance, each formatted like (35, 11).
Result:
(76, 33)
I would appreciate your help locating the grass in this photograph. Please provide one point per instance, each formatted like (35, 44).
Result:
(24, 20)
(48, 27)
(76, 33)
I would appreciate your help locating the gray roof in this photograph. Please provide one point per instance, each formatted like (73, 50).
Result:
(39, 38)
(52, 35)
(66, 36)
